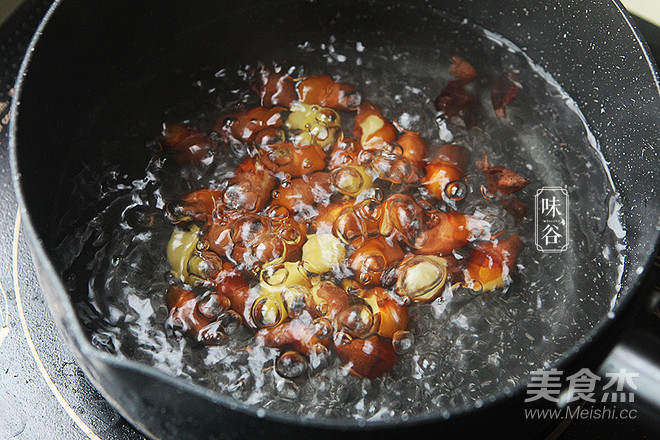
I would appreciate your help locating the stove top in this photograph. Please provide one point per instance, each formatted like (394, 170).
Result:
(43, 392)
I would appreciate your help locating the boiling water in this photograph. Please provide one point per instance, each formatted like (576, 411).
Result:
(467, 347)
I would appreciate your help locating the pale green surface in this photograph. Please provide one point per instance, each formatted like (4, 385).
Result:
(7, 7)
(647, 9)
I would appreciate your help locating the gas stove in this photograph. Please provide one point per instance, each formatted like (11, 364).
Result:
(43, 392)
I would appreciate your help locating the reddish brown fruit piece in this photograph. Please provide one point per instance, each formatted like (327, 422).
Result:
(243, 125)
(231, 284)
(293, 160)
(402, 219)
(324, 91)
(489, 263)
(414, 148)
(389, 316)
(450, 233)
(188, 145)
(274, 87)
(457, 105)
(501, 179)
(370, 357)
(201, 205)
(449, 165)
(250, 190)
(372, 258)
(302, 193)
(506, 88)
(334, 297)
(344, 153)
(203, 316)
(291, 335)
(514, 207)
(462, 70)
(371, 128)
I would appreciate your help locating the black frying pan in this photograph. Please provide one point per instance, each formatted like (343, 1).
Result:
(96, 70)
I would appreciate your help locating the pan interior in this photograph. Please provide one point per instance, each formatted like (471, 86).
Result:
(467, 348)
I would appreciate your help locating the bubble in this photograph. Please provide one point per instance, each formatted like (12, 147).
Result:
(357, 320)
(406, 217)
(322, 308)
(365, 278)
(348, 226)
(281, 156)
(421, 277)
(348, 393)
(229, 121)
(376, 194)
(321, 133)
(231, 321)
(212, 305)
(319, 358)
(365, 157)
(346, 159)
(374, 263)
(307, 164)
(176, 325)
(352, 287)
(275, 194)
(291, 235)
(402, 341)
(290, 365)
(348, 180)
(267, 247)
(275, 275)
(254, 270)
(295, 299)
(286, 389)
(322, 328)
(342, 338)
(497, 225)
(212, 333)
(327, 116)
(140, 217)
(428, 363)
(347, 145)
(197, 266)
(394, 148)
(267, 312)
(487, 193)
(456, 190)
(370, 209)
(278, 212)
(269, 137)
